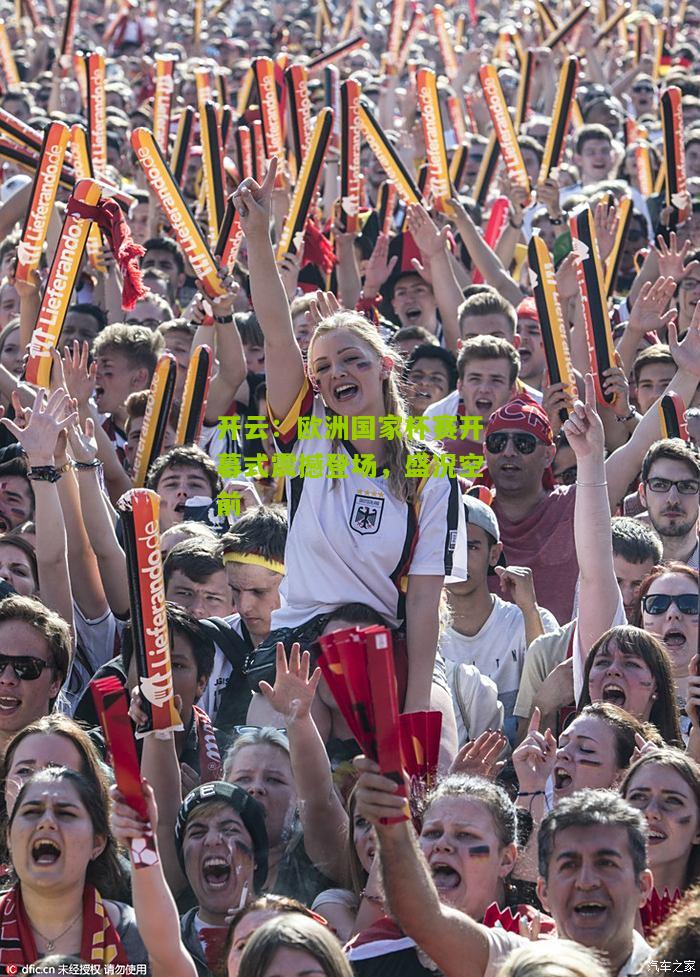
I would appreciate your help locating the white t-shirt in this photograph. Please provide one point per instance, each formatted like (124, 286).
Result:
(502, 943)
(351, 540)
(475, 699)
(498, 651)
(220, 673)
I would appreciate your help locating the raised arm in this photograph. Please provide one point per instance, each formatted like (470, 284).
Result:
(485, 259)
(448, 936)
(433, 247)
(283, 359)
(227, 345)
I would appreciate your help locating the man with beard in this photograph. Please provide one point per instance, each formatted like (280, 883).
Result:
(221, 842)
(593, 878)
(669, 489)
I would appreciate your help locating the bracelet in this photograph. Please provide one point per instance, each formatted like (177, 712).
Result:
(224, 320)
(592, 484)
(87, 466)
(44, 473)
(376, 899)
(65, 468)
(627, 417)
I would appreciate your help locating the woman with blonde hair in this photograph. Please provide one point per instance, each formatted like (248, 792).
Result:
(371, 520)
(553, 958)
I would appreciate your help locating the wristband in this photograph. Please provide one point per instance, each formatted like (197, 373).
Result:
(224, 320)
(44, 473)
(592, 484)
(627, 417)
(87, 466)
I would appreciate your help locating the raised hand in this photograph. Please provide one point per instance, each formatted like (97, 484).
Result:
(38, 436)
(518, 585)
(253, 202)
(615, 383)
(293, 691)
(534, 758)
(377, 796)
(584, 428)
(430, 240)
(324, 305)
(480, 756)
(647, 313)
(379, 267)
(82, 441)
(79, 376)
(126, 823)
(686, 354)
(289, 268)
(671, 260)
(606, 218)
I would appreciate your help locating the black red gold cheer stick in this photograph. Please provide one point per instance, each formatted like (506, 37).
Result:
(612, 266)
(672, 417)
(97, 112)
(213, 168)
(194, 398)
(244, 151)
(445, 42)
(571, 21)
(69, 27)
(155, 421)
(163, 99)
(524, 86)
(674, 152)
(230, 237)
(561, 117)
(297, 80)
(335, 54)
(386, 205)
(182, 146)
(487, 169)
(306, 185)
(434, 136)
(350, 167)
(503, 125)
(388, 157)
(272, 131)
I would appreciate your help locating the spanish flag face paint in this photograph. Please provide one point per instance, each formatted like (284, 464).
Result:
(155, 421)
(97, 112)
(230, 238)
(552, 325)
(591, 285)
(7, 59)
(140, 512)
(162, 100)
(672, 417)
(445, 42)
(213, 168)
(674, 152)
(350, 168)
(297, 80)
(273, 137)
(182, 222)
(434, 136)
(306, 185)
(613, 263)
(561, 33)
(388, 157)
(194, 398)
(41, 204)
(503, 125)
(59, 287)
(561, 118)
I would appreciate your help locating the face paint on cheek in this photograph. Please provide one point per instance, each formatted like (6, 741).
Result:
(479, 851)
(685, 820)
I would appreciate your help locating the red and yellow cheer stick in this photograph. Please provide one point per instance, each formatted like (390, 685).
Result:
(445, 42)
(188, 234)
(414, 28)
(83, 171)
(162, 99)
(155, 420)
(244, 92)
(336, 54)
(672, 417)
(549, 311)
(182, 146)
(7, 58)
(26, 159)
(213, 168)
(97, 112)
(80, 76)
(503, 126)
(140, 512)
(69, 28)
(59, 287)
(674, 152)
(306, 185)
(244, 151)
(388, 157)
(259, 160)
(561, 117)
(456, 114)
(571, 21)
(297, 80)
(396, 29)
(591, 285)
(642, 160)
(273, 136)
(350, 167)
(386, 205)
(434, 136)
(613, 263)
(46, 182)
(230, 237)
(194, 397)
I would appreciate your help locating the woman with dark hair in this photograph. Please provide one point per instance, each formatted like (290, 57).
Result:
(629, 668)
(246, 921)
(65, 859)
(291, 947)
(665, 786)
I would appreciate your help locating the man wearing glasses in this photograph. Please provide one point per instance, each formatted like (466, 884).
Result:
(670, 490)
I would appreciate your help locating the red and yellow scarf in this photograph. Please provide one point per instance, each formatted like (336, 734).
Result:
(100, 942)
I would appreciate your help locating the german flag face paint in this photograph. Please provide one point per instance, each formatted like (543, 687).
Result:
(561, 118)
(7, 59)
(194, 398)
(591, 287)
(273, 138)
(59, 287)
(672, 417)
(674, 152)
(162, 100)
(613, 263)
(386, 205)
(524, 87)
(388, 157)
(213, 168)
(155, 421)
(434, 136)
(297, 80)
(503, 125)
(445, 42)
(69, 27)
(306, 185)
(140, 512)
(486, 171)
(336, 54)
(552, 325)
(188, 235)
(230, 238)
(97, 112)
(350, 168)
(571, 21)
(46, 182)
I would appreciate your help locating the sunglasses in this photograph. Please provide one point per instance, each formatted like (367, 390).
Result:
(643, 88)
(25, 667)
(685, 486)
(524, 443)
(660, 603)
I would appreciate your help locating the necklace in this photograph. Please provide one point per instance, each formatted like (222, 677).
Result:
(51, 944)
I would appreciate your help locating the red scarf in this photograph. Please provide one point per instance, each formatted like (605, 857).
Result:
(210, 766)
(656, 909)
(100, 943)
(212, 939)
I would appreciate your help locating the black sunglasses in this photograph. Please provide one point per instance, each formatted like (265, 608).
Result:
(524, 443)
(660, 603)
(25, 667)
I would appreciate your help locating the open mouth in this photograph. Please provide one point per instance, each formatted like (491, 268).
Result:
(444, 876)
(216, 872)
(590, 910)
(345, 391)
(9, 704)
(413, 315)
(45, 852)
(656, 837)
(615, 695)
(483, 405)
(562, 778)
(674, 639)
(509, 467)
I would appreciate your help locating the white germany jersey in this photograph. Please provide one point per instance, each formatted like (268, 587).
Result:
(351, 540)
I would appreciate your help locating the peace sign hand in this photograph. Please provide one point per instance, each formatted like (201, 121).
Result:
(253, 202)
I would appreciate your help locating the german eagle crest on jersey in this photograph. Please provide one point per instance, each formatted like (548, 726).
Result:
(366, 514)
